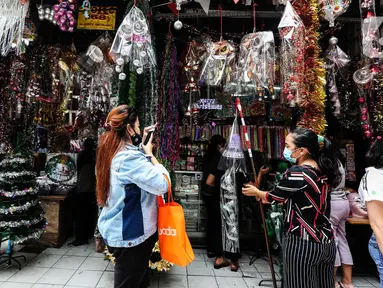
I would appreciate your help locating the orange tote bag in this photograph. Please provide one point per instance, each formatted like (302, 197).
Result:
(174, 242)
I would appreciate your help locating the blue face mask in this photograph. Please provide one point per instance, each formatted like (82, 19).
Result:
(287, 154)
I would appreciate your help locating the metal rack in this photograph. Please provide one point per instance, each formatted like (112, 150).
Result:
(199, 13)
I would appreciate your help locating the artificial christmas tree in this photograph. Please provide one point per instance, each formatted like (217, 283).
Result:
(21, 214)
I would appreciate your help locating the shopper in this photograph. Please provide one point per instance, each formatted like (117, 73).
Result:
(340, 211)
(129, 179)
(85, 196)
(371, 192)
(308, 244)
(211, 197)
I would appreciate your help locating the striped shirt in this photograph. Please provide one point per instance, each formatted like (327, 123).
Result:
(306, 194)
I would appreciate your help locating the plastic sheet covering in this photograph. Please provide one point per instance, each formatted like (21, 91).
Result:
(132, 44)
(292, 34)
(256, 65)
(370, 37)
(219, 63)
(232, 163)
(333, 9)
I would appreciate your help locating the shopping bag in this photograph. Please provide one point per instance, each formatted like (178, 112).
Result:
(174, 243)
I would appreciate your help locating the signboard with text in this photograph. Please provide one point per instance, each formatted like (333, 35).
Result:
(100, 18)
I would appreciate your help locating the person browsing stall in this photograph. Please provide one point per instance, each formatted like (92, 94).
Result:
(308, 244)
(371, 192)
(129, 179)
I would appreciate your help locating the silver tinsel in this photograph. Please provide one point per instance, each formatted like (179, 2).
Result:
(12, 194)
(8, 177)
(10, 161)
(34, 236)
(16, 224)
(18, 209)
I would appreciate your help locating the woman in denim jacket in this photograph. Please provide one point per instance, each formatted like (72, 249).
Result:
(371, 192)
(129, 179)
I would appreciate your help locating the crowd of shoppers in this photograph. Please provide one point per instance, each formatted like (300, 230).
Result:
(129, 179)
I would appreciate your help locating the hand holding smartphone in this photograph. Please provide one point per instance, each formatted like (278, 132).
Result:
(151, 130)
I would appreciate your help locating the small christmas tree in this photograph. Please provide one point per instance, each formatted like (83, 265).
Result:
(21, 214)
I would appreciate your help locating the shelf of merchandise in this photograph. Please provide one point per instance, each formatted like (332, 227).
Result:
(187, 189)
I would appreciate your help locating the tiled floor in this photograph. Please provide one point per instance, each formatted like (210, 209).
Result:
(81, 267)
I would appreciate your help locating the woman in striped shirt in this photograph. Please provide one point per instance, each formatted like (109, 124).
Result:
(308, 245)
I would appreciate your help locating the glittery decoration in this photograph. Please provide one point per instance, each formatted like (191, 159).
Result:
(168, 102)
(17, 209)
(313, 104)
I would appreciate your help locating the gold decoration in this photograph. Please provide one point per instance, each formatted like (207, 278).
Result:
(313, 104)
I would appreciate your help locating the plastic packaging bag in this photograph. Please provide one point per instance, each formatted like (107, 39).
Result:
(292, 34)
(336, 61)
(256, 65)
(133, 43)
(333, 9)
(220, 60)
(232, 164)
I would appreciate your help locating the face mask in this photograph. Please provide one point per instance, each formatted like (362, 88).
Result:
(287, 154)
(136, 139)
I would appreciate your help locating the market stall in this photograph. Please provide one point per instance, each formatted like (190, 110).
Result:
(64, 64)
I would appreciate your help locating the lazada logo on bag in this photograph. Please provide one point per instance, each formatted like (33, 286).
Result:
(167, 232)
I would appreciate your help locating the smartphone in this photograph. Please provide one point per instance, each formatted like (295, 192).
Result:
(149, 135)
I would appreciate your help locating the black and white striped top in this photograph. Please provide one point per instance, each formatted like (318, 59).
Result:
(306, 194)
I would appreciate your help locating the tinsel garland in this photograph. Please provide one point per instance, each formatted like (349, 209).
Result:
(35, 235)
(168, 102)
(313, 104)
(17, 209)
(155, 261)
(378, 107)
(22, 223)
(10, 177)
(11, 161)
(18, 193)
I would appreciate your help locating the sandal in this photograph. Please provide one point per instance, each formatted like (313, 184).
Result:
(224, 264)
(341, 285)
(234, 266)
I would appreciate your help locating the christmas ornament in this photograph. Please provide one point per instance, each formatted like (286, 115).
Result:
(333, 9)
(336, 60)
(64, 15)
(292, 33)
(87, 8)
(256, 65)
(178, 25)
(132, 39)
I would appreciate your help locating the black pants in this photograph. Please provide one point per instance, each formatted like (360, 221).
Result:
(85, 215)
(132, 264)
(214, 229)
(307, 264)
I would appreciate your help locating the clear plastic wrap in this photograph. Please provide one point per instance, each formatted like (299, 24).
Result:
(133, 44)
(336, 61)
(333, 9)
(218, 64)
(292, 34)
(256, 65)
(370, 37)
(195, 56)
(232, 164)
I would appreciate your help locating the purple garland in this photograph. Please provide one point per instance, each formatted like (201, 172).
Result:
(168, 102)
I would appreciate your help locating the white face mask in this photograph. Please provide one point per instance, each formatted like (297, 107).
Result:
(287, 155)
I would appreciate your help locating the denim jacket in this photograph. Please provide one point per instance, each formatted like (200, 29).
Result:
(130, 214)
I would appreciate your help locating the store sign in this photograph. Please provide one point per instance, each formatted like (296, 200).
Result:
(100, 18)
(209, 104)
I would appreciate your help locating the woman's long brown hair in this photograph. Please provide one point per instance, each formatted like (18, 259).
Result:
(110, 144)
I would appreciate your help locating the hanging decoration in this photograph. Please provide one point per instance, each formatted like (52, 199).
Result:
(219, 63)
(12, 20)
(256, 65)
(333, 9)
(372, 48)
(64, 15)
(292, 33)
(87, 8)
(133, 44)
(313, 84)
(45, 13)
(336, 60)
(168, 102)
